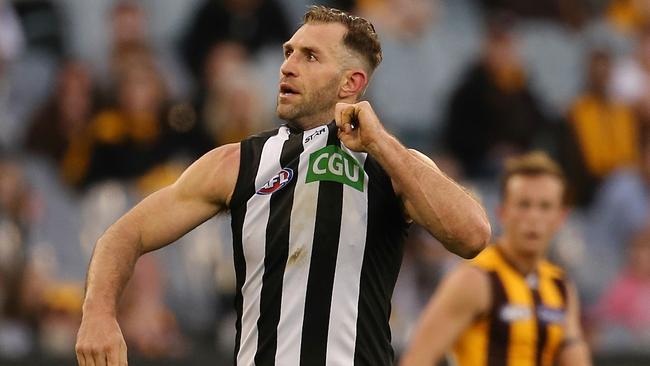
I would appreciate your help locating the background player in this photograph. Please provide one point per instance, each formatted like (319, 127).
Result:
(509, 306)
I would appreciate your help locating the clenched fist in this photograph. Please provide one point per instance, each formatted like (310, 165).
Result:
(359, 127)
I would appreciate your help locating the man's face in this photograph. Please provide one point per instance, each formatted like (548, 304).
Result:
(311, 74)
(532, 211)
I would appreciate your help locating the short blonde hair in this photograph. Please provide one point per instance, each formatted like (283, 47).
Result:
(535, 163)
(360, 37)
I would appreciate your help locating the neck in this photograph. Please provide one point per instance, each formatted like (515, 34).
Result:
(308, 122)
(523, 262)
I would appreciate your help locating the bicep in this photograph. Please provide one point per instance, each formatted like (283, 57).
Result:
(201, 192)
(163, 217)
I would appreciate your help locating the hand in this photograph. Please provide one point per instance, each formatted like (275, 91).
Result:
(359, 127)
(100, 342)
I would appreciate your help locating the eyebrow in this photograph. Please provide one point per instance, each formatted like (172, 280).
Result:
(305, 49)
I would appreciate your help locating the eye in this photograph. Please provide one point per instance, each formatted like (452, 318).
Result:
(287, 52)
(311, 57)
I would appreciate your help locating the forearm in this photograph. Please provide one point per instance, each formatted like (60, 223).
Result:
(575, 354)
(111, 266)
(445, 209)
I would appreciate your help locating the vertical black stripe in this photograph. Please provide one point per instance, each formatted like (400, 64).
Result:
(249, 161)
(561, 286)
(499, 332)
(381, 263)
(542, 331)
(275, 255)
(325, 246)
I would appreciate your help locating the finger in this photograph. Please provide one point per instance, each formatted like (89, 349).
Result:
(113, 357)
(90, 359)
(348, 114)
(338, 112)
(123, 355)
(81, 360)
(100, 358)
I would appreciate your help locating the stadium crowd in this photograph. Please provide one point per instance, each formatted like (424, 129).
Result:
(103, 102)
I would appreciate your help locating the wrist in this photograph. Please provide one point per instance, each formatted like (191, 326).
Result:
(384, 147)
(98, 308)
(379, 144)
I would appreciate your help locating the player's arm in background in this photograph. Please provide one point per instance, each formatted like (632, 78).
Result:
(574, 350)
(463, 296)
(430, 198)
(201, 192)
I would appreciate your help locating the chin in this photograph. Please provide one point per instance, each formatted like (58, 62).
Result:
(533, 247)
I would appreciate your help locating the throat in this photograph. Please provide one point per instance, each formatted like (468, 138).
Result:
(522, 262)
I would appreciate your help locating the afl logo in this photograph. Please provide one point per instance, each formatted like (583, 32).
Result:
(277, 182)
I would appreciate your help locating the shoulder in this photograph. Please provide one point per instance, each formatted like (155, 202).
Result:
(469, 284)
(487, 260)
(552, 270)
(214, 175)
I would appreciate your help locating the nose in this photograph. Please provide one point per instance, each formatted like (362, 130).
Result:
(288, 67)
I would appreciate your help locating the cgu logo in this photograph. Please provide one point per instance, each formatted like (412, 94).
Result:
(277, 182)
(333, 164)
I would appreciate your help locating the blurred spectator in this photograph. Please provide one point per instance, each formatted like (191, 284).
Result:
(128, 33)
(229, 107)
(605, 131)
(425, 46)
(623, 312)
(493, 113)
(572, 13)
(253, 23)
(65, 115)
(133, 137)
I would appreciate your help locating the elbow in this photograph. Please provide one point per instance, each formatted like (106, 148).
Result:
(474, 240)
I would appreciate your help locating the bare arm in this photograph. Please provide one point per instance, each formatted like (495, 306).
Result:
(430, 198)
(202, 191)
(461, 297)
(574, 351)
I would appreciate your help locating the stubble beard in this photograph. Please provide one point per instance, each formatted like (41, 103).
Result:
(315, 105)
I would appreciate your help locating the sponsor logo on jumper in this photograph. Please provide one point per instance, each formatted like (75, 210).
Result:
(277, 182)
(318, 132)
(511, 313)
(550, 315)
(333, 164)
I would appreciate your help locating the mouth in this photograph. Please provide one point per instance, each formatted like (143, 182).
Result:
(287, 90)
(531, 235)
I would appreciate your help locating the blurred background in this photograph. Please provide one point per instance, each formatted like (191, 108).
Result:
(104, 101)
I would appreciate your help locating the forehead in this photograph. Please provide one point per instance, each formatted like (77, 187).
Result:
(318, 36)
(542, 186)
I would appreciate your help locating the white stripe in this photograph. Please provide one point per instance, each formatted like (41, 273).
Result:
(296, 273)
(342, 332)
(253, 245)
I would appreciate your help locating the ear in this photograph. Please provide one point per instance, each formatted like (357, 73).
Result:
(355, 81)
